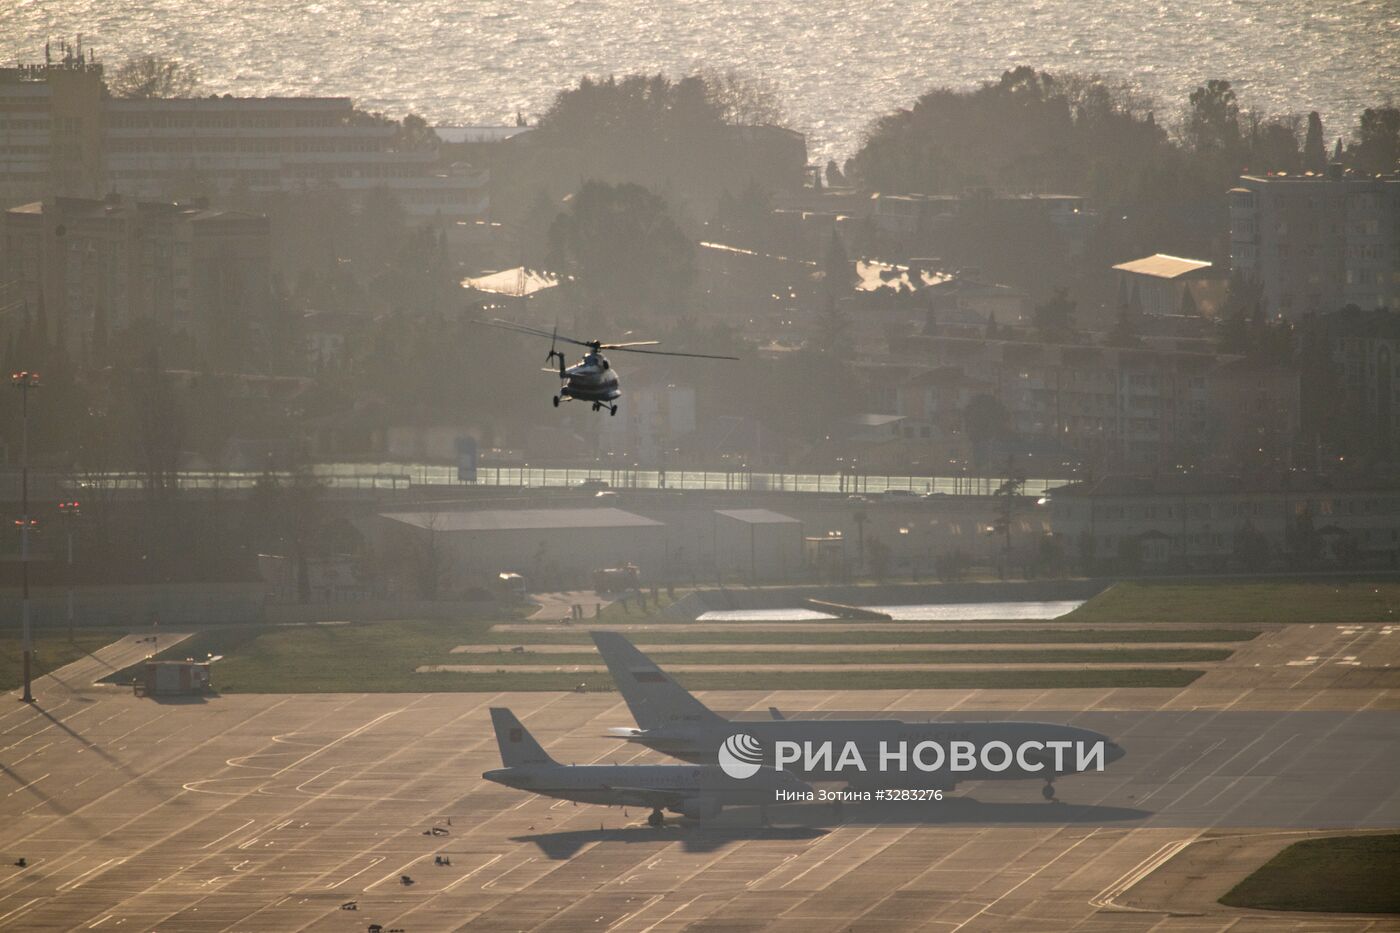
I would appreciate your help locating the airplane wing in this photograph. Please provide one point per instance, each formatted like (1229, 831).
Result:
(651, 796)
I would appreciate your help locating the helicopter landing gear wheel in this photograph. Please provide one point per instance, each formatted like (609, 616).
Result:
(612, 411)
(656, 819)
(556, 401)
(1048, 791)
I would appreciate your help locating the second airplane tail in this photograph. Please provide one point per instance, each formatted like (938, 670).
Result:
(655, 699)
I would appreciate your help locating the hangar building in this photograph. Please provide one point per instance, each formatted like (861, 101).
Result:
(553, 548)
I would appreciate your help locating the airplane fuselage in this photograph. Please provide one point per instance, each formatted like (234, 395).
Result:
(642, 785)
(700, 743)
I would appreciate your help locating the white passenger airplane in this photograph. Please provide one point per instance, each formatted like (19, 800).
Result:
(696, 792)
(672, 721)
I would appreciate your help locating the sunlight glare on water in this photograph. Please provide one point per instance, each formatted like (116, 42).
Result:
(837, 64)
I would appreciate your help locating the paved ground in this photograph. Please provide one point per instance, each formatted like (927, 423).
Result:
(835, 668)
(560, 605)
(755, 648)
(269, 812)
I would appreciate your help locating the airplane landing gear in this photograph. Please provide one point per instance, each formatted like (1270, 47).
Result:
(612, 410)
(656, 819)
(596, 406)
(556, 401)
(1048, 791)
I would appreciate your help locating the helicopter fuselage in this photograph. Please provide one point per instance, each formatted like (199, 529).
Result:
(591, 379)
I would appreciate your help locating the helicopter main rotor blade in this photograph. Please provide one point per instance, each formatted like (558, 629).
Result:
(624, 346)
(702, 356)
(532, 331)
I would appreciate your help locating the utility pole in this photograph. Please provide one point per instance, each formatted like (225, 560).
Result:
(25, 381)
(70, 512)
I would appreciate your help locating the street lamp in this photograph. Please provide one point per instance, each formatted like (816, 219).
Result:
(24, 381)
(70, 512)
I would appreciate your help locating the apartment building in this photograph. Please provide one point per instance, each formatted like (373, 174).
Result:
(1364, 346)
(261, 144)
(1186, 522)
(1142, 406)
(1316, 243)
(96, 266)
(61, 134)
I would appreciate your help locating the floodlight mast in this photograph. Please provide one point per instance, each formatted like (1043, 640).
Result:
(25, 381)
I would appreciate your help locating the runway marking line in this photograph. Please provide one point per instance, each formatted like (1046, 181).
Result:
(1104, 900)
(78, 881)
(24, 906)
(30, 784)
(227, 834)
(630, 914)
(493, 860)
(1014, 888)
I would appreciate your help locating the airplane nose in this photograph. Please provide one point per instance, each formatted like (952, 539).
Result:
(1114, 751)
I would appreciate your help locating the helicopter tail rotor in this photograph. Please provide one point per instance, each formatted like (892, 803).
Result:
(553, 338)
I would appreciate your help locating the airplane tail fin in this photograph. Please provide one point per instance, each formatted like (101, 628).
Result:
(518, 746)
(655, 699)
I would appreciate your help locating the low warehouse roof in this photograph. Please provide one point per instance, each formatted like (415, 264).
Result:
(521, 519)
(757, 516)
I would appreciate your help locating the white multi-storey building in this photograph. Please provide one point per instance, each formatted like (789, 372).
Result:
(280, 144)
(61, 134)
(1316, 243)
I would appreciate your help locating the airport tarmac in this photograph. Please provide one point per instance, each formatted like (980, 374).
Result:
(270, 812)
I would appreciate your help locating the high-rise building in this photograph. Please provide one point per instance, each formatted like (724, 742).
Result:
(163, 148)
(62, 134)
(1316, 243)
(96, 267)
(51, 118)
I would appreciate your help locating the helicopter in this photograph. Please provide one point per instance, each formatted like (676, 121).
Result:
(591, 379)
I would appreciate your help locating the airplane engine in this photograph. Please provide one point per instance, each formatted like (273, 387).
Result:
(701, 808)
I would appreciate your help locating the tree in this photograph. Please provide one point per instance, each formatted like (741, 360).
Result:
(1241, 307)
(1314, 147)
(985, 421)
(532, 240)
(640, 128)
(860, 518)
(623, 247)
(1273, 144)
(831, 330)
(1005, 496)
(1377, 148)
(1054, 319)
(879, 560)
(414, 133)
(1213, 119)
(1125, 329)
(148, 76)
(1251, 548)
(838, 272)
(743, 99)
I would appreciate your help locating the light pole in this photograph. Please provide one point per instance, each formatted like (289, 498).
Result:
(25, 381)
(70, 513)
